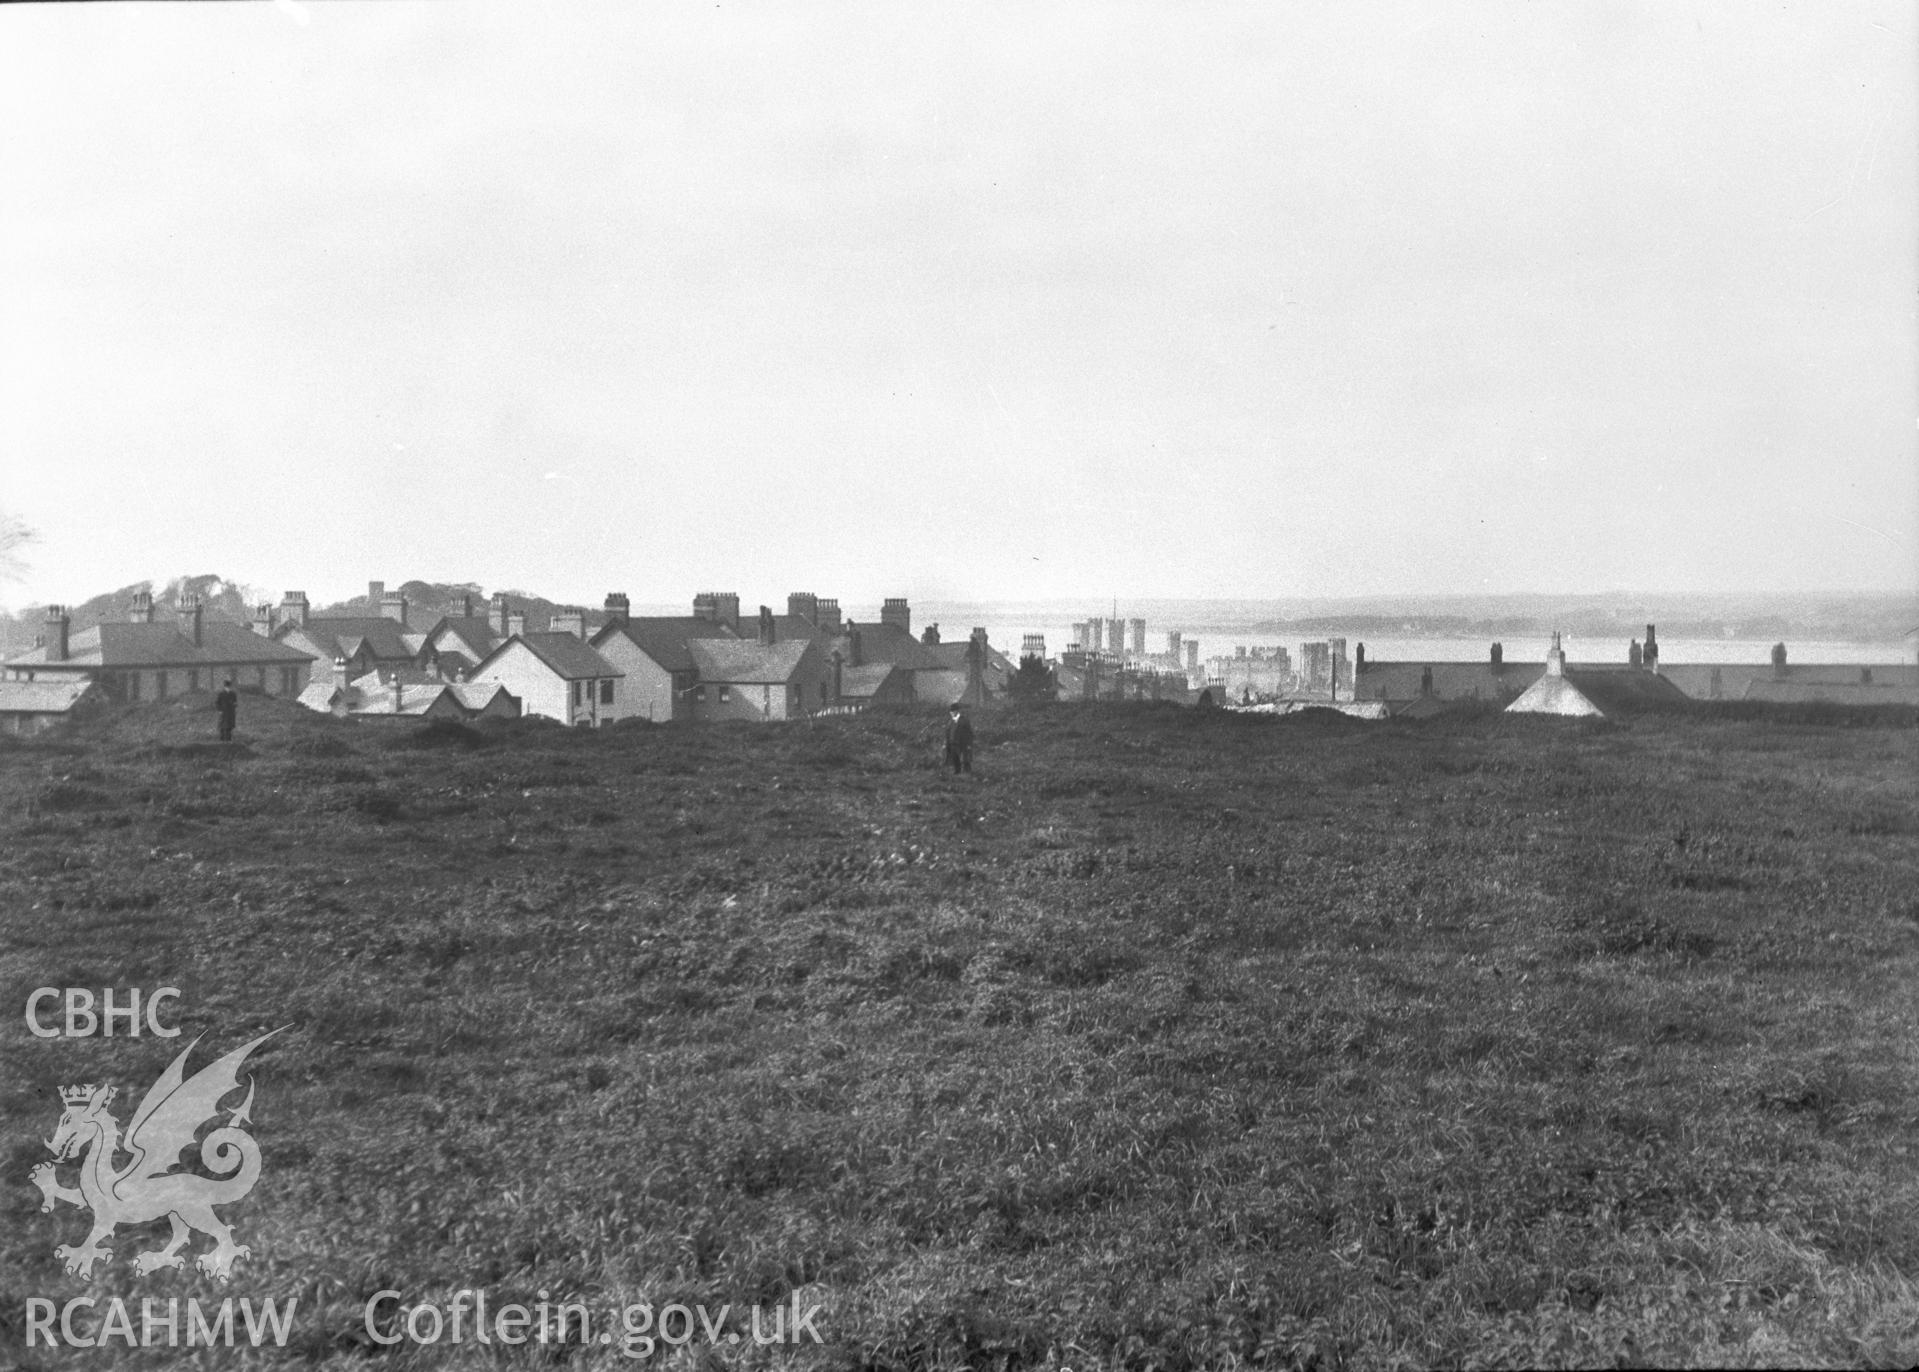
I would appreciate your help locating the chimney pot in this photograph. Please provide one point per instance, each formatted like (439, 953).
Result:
(766, 626)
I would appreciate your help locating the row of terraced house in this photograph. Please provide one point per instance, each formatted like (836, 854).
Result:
(581, 668)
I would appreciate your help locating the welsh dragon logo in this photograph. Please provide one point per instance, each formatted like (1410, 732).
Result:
(146, 1188)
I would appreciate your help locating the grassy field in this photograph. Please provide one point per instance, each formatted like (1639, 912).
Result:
(1170, 1039)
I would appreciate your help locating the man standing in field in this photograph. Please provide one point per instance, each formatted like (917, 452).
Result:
(227, 702)
(959, 741)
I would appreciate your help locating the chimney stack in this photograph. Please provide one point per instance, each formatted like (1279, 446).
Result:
(393, 607)
(57, 625)
(804, 605)
(766, 626)
(894, 612)
(293, 608)
(1556, 657)
(496, 615)
(839, 664)
(142, 611)
(1779, 661)
(1032, 645)
(1359, 660)
(718, 607)
(930, 635)
(339, 671)
(399, 695)
(618, 608)
(1499, 658)
(190, 616)
(1425, 681)
(466, 606)
(515, 623)
(571, 620)
(375, 592)
(1651, 654)
(1635, 657)
(829, 617)
(854, 656)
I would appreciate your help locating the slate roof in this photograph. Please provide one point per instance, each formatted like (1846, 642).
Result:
(1625, 690)
(889, 643)
(1392, 681)
(1695, 678)
(222, 644)
(475, 632)
(41, 697)
(1854, 692)
(319, 695)
(570, 658)
(784, 626)
(454, 664)
(748, 661)
(863, 683)
(943, 687)
(371, 696)
(341, 636)
(996, 667)
(476, 696)
(664, 637)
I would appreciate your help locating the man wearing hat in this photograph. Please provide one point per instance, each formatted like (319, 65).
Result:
(227, 702)
(959, 740)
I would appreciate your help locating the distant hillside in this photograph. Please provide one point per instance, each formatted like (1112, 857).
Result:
(225, 599)
(426, 601)
(218, 597)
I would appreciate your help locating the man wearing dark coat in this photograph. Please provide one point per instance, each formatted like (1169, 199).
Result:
(959, 740)
(227, 702)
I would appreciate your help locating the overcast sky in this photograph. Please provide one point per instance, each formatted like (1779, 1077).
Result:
(961, 301)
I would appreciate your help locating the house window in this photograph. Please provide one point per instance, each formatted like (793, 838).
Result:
(576, 693)
(606, 691)
(699, 694)
(726, 694)
(133, 685)
(193, 678)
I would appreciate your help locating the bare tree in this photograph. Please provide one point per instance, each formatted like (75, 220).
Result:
(15, 536)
